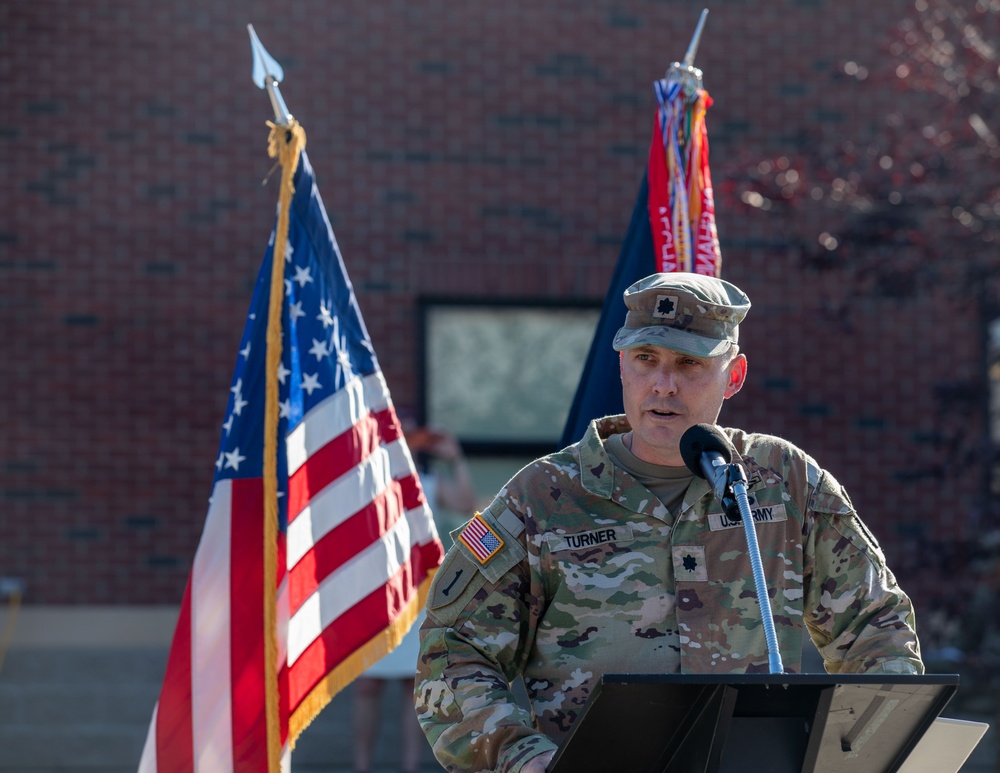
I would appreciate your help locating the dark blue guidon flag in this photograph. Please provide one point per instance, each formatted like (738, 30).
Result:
(599, 392)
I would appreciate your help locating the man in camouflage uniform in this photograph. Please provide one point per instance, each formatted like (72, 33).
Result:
(611, 557)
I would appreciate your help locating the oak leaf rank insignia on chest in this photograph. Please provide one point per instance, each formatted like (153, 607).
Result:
(690, 564)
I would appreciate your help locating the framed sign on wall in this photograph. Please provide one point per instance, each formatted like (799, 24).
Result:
(502, 375)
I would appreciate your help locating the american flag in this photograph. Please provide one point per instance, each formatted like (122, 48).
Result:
(355, 544)
(480, 538)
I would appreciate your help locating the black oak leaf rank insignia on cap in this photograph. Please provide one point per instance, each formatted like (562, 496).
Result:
(666, 305)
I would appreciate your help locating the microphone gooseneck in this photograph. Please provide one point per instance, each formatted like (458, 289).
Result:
(708, 453)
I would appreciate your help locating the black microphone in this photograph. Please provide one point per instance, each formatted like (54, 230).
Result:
(704, 448)
(708, 453)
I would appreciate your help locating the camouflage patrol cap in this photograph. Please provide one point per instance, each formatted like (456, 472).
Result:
(688, 313)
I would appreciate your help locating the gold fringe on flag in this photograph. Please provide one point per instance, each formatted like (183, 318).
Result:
(284, 143)
(353, 666)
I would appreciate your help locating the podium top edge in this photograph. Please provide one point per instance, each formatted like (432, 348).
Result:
(820, 680)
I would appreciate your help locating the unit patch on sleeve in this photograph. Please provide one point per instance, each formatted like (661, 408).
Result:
(478, 537)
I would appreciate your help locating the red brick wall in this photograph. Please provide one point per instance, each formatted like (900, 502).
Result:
(462, 149)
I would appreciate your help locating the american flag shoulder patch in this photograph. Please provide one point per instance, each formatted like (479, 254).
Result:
(478, 537)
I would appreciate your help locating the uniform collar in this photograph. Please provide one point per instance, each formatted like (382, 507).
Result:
(597, 471)
(698, 489)
(600, 477)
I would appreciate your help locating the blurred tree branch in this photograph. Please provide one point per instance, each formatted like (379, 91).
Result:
(911, 203)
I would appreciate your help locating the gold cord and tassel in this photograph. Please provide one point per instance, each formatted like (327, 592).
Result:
(286, 144)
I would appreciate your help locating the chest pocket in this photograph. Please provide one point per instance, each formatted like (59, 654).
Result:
(615, 559)
(725, 554)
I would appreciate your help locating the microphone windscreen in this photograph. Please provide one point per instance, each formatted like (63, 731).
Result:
(700, 438)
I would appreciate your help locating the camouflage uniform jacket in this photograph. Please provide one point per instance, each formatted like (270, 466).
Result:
(596, 576)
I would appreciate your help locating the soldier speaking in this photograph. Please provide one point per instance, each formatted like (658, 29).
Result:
(610, 556)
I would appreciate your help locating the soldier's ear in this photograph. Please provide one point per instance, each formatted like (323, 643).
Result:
(737, 375)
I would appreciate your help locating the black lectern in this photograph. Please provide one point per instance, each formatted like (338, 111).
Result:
(767, 723)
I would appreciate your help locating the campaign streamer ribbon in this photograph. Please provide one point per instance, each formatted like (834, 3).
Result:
(681, 201)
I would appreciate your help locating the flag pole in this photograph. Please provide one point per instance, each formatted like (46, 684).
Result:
(695, 40)
(684, 72)
(286, 141)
